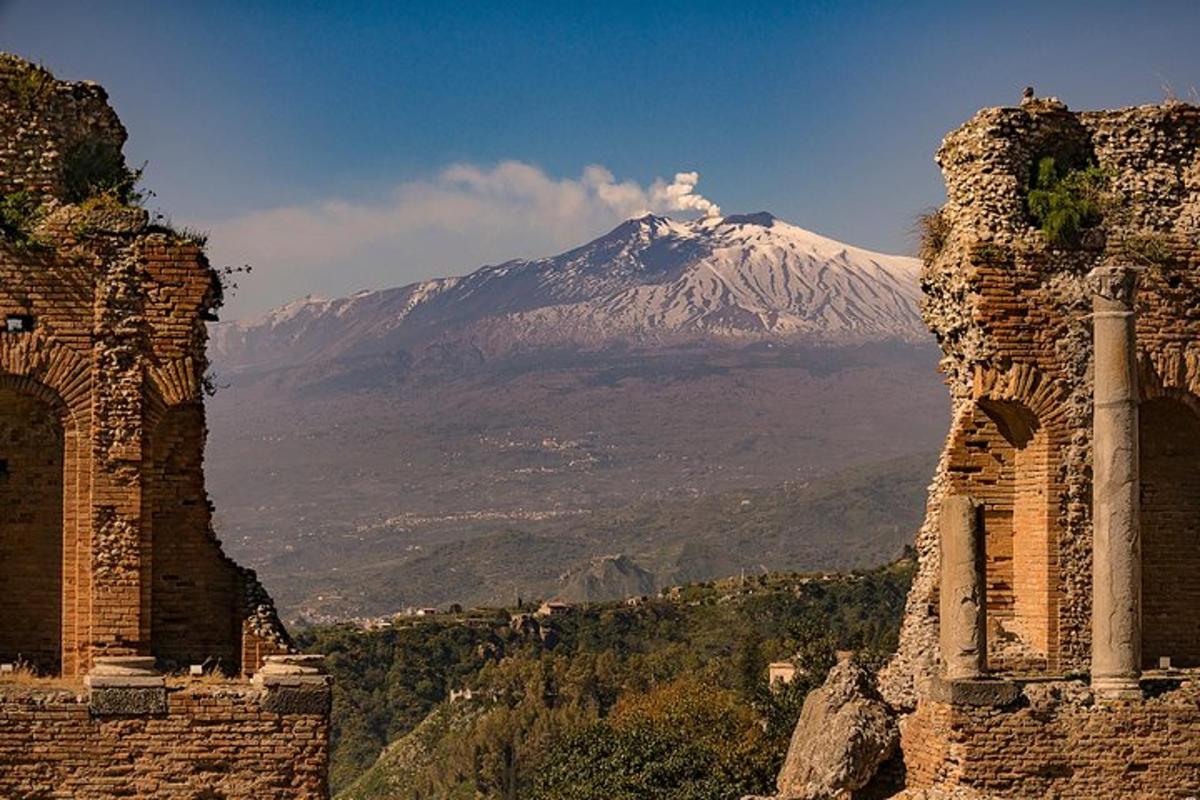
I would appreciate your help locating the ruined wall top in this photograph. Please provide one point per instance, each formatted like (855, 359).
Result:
(1148, 155)
(52, 133)
(995, 267)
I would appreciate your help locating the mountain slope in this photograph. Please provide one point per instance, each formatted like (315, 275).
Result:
(650, 280)
(463, 439)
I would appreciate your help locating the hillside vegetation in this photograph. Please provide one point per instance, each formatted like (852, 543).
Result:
(661, 697)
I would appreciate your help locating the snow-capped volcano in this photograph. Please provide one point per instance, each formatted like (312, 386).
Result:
(650, 280)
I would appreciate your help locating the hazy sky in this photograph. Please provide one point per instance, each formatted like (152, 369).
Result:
(341, 146)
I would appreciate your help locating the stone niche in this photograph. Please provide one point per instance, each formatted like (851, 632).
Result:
(1074, 367)
(115, 587)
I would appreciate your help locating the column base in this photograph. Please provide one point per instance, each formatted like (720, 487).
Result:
(1120, 687)
(295, 684)
(978, 691)
(125, 686)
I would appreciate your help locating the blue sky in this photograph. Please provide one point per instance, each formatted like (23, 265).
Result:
(339, 146)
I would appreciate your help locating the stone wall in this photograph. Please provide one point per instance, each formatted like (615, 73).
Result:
(1012, 310)
(110, 569)
(1012, 314)
(218, 742)
(109, 343)
(1057, 743)
(49, 128)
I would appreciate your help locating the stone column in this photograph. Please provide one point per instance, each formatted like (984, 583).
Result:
(962, 611)
(1116, 543)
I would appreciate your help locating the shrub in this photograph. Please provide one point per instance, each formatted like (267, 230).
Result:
(682, 740)
(96, 167)
(29, 84)
(933, 231)
(1067, 202)
(1146, 250)
(19, 212)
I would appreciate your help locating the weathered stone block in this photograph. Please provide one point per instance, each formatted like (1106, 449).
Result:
(112, 701)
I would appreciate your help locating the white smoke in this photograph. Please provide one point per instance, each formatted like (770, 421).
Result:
(681, 195)
(629, 199)
(465, 216)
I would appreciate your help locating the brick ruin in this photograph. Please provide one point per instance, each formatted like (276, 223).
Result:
(1052, 635)
(112, 579)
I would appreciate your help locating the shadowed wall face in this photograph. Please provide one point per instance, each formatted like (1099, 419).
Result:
(1170, 472)
(1002, 456)
(195, 595)
(31, 514)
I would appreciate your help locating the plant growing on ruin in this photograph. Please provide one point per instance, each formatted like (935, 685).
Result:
(991, 254)
(29, 85)
(933, 231)
(196, 237)
(1146, 250)
(96, 167)
(19, 215)
(224, 285)
(210, 384)
(1066, 202)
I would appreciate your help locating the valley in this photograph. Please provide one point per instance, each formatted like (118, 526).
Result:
(412, 447)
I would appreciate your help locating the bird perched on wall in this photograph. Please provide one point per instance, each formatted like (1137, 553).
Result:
(1027, 95)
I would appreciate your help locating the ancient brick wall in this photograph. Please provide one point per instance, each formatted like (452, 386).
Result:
(114, 553)
(195, 596)
(220, 742)
(108, 562)
(1011, 311)
(1059, 745)
(109, 565)
(1170, 441)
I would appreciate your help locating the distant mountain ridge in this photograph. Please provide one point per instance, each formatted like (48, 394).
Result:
(477, 437)
(651, 280)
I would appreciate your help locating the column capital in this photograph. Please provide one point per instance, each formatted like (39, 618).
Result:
(1115, 283)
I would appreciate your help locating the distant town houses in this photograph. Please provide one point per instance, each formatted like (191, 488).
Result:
(554, 608)
(781, 673)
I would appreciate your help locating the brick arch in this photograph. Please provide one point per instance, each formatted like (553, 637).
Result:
(1173, 370)
(174, 381)
(61, 379)
(50, 371)
(1046, 399)
(1005, 452)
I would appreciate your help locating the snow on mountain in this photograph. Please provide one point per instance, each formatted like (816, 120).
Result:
(650, 280)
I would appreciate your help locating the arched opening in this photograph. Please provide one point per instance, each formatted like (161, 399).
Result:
(193, 592)
(31, 531)
(1004, 458)
(1169, 433)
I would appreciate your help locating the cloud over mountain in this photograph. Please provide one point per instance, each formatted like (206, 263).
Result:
(465, 215)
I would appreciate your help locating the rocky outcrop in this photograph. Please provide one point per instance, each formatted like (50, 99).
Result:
(846, 732)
